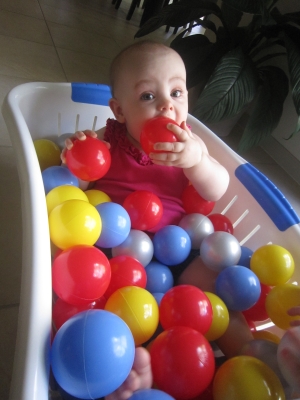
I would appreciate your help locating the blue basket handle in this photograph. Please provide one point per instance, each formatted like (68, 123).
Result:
(268, 196)
(91, 93)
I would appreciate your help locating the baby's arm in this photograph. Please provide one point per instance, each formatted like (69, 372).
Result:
(190, 153)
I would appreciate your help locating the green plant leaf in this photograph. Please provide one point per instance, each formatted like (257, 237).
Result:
(179, 14)
(232, 85)
(267, 109)
(198, 54)
(248, 6)
(231, 16)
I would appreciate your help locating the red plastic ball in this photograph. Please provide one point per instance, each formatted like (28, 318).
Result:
(88, 159)
(182, 362)
(80, 274)
(221, 223)
(186, 305)
(258, 312)
(193, 203)
(125, 271)
(63, 311)
(155, 130)
(145, 209)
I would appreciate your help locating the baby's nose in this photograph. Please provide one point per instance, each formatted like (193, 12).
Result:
(165, 105)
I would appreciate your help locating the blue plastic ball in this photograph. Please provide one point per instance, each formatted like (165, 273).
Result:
(238, 287)
(159, 277)
(115, 224)
(245, 258)
(92, 354)
(172, 245)
(150, 394)
(137, 245)
(158, 297)
(58, 176)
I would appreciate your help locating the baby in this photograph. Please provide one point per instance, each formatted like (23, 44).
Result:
(148, 80)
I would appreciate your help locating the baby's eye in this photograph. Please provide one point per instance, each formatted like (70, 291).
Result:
(147, 96)
(176, 93)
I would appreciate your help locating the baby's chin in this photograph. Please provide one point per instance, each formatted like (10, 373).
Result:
(133, 141)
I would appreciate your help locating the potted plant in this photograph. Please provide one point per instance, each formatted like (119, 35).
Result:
(236, 66)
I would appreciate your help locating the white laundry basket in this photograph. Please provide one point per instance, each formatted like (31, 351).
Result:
(259, 211)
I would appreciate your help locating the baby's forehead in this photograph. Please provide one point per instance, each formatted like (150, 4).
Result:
(137, 62)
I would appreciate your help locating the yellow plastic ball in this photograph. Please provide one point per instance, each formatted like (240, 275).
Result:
(138, 308)
(272, 264)
(220, 319)
(74, 222)
(97, 197)
(63, 193)
(279, 300)
(48, 153)
(246, 378)
(266, 335)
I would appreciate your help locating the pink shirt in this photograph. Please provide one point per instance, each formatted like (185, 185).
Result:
(133, 170)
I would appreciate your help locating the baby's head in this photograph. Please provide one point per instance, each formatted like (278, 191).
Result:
(148, 79)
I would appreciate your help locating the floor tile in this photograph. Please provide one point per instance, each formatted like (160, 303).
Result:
(87, 19)
(8, 333)
(23, 27)
(81, 67)
(32, 61)
(11, 229)
(26, 7)
(75, 39)
(6, 84)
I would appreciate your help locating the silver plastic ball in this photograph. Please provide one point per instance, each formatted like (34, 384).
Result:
(220, 250)
(197, 226)
(137, 245)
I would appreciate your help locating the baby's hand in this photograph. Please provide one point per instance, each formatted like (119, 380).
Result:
(140, 377)
(80, 135)
(185, 153)
(294, 311)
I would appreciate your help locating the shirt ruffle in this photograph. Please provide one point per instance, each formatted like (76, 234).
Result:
(115, 133)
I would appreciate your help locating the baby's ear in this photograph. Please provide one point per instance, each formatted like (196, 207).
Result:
(117, 110)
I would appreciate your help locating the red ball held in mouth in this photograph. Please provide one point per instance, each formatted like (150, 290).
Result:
(155, 130)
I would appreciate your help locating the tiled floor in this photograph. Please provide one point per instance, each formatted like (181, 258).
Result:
(61, 40)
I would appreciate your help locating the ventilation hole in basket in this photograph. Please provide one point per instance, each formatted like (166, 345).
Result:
(250, 234)
(59, 125)
(240, 219)
(77, 122)
(94, 123)
(229, 205)
(265, 326)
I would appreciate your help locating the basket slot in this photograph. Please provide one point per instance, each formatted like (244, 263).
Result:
(250, 234)
(229, 205)
(246, 212)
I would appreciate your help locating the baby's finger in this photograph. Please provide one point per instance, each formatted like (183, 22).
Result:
(180, 133)
(185, 127)
(295, 322)
(69, 143)
(294, 311)
(63, 155)
(88, 132)
(175, 147)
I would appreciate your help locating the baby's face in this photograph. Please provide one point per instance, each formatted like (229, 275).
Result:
(153, 84)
